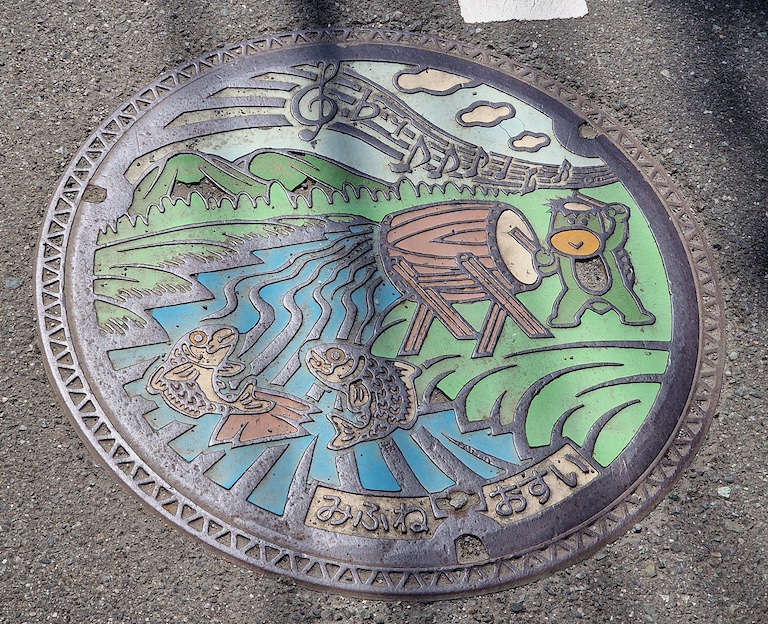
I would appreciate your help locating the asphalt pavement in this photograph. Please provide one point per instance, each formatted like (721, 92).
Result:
(686, 77)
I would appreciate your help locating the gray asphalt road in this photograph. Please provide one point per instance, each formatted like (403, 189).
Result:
(687, 77)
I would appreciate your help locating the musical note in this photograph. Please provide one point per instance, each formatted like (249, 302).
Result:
(420, 146)
(399, 125)
(365, 109)
(481, 159)
(563, 172)
(452, 157)
(530, 182)
(502, 174)
(321, 106)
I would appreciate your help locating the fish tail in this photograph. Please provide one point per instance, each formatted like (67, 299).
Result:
(156, 385)
(346, 433)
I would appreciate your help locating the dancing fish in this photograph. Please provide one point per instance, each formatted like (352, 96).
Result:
(191, 382)
(379, 392)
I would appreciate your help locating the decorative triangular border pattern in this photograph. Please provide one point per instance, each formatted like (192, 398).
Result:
(95, 428)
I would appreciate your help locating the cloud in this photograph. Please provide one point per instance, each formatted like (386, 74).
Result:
(433, 81)
(529, 141)
(485, 114)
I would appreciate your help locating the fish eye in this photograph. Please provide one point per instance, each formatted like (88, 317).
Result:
(197, 337)
(335, 354)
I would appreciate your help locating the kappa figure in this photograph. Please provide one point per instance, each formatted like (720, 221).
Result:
(584, 229)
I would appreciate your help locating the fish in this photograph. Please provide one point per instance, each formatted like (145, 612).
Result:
(379, 392)
(192, 381)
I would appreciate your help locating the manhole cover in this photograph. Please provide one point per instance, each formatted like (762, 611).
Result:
(383, 313)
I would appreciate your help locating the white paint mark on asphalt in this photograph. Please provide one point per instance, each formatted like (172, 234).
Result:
(474, 11)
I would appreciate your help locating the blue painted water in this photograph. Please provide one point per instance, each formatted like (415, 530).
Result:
(295, 297)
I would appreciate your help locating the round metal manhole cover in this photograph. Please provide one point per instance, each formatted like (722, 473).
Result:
(379, 312)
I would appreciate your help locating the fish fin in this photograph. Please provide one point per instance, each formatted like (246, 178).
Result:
(252, 400)
(358, 395)
(156, 385)
(183, 372)
(230, 368)
(408, 373)
(346, 433)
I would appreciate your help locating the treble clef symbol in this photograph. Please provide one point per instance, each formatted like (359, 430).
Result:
(321, 106)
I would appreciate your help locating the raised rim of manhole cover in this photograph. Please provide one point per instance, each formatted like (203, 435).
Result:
(383, 313)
